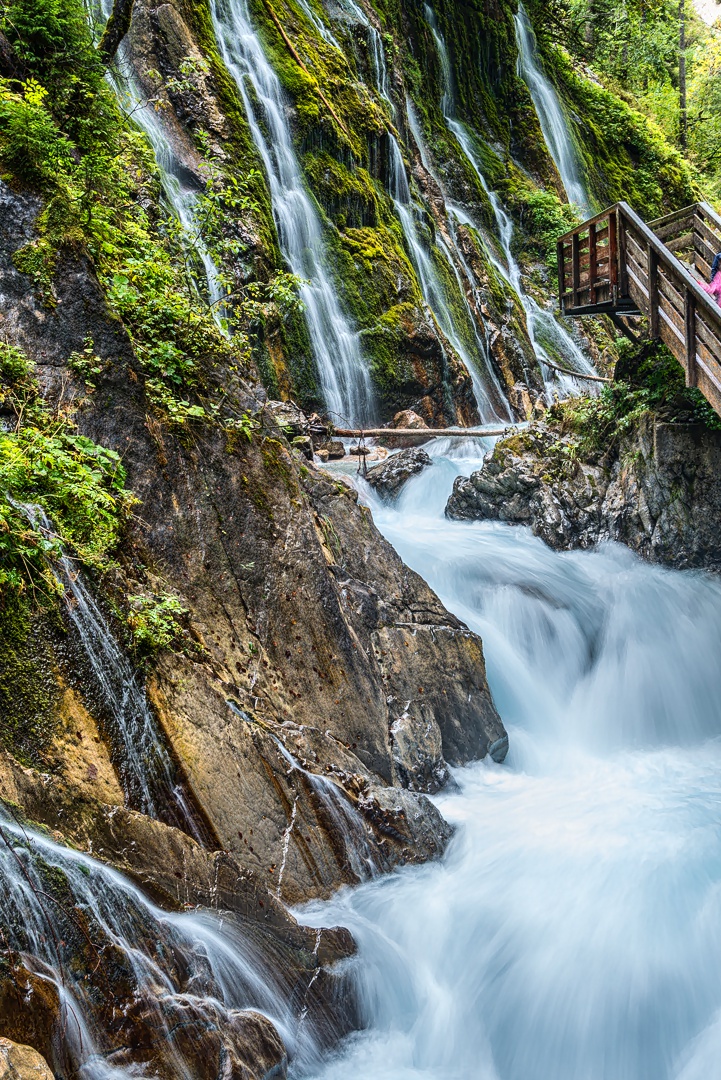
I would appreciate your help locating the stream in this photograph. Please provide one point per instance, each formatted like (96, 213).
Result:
(573, 928)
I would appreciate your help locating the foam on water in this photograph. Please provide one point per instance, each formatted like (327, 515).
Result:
(573, 930)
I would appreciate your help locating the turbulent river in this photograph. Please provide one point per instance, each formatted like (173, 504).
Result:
(573, 930)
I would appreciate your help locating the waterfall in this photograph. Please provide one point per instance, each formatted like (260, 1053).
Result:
(572, 930)
(344, 376)
(177, 970)
(180, 187)
(147, 773)
(550, 114)
(488, 394)
(548, 338)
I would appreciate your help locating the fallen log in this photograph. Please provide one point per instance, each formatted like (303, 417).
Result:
(423, 433)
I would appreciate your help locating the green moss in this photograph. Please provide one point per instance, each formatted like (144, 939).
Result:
(29, 696)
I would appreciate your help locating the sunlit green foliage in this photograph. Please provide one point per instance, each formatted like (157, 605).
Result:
(45, 463)
(155, 621)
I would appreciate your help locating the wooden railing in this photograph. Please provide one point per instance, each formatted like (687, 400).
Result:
(617, 264)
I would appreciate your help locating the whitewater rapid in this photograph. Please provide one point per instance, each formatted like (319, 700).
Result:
(573, 930)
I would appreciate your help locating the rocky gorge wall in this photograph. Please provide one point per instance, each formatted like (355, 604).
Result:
(360, 80)
(308, 688)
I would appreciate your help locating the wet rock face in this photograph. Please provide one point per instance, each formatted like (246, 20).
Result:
(660, 494)
(390, 477)
(22, 1063)
(293, 596)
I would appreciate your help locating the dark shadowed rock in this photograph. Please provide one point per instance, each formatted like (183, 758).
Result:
(389, 478)
(658, 492)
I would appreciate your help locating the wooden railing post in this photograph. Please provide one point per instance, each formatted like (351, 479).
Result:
(592, 263)
(690, 320)
(622, 258)
(575, 268)
(613, 256)
(561, 263)
(653, 316)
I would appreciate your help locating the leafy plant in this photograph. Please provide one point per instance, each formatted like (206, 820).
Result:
(45, 462)
(155, 621)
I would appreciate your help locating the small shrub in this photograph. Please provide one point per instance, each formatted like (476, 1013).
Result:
(155, 621)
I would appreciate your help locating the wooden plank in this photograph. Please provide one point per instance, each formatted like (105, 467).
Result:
(612, 255)
(706, 333)
(705, 353)
(690, 320)
(709, 383)
(594, 220)
(703, 264)
(701, 243)
(670, 335)
(673, 216)
(634, 250)
(708, 212)
(423, 433)
(670, 290)
(681, 243)
(593, 269)
(711, 370)
(712, 238)
(680, 225)
(672, 315)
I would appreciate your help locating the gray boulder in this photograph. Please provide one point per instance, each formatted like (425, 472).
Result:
(389, 478)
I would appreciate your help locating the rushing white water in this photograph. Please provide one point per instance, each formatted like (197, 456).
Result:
(343, 372)
(183, 968)
(549, 340)
(554, 124)
(573, 929)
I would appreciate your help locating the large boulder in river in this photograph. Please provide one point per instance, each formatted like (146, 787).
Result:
(404, 420)
(389, 478)
(21, 1062)
(657, 490)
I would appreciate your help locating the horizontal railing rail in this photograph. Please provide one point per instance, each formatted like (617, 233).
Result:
(618, 264)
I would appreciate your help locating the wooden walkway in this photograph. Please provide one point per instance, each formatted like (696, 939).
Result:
(616, 264)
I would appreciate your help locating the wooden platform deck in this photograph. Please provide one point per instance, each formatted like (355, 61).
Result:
(617, 264)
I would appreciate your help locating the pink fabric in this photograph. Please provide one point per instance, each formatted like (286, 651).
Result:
(714, 289)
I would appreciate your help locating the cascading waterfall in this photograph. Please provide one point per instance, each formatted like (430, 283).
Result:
(490, 398)
(572, 930)
(183, 968)
(550, 115)
(488, 394)
(147, 773)
(181, 189)
(345, 380)
(548, 338)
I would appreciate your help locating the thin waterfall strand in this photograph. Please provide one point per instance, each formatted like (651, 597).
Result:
(344, 376)
(550, 114)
